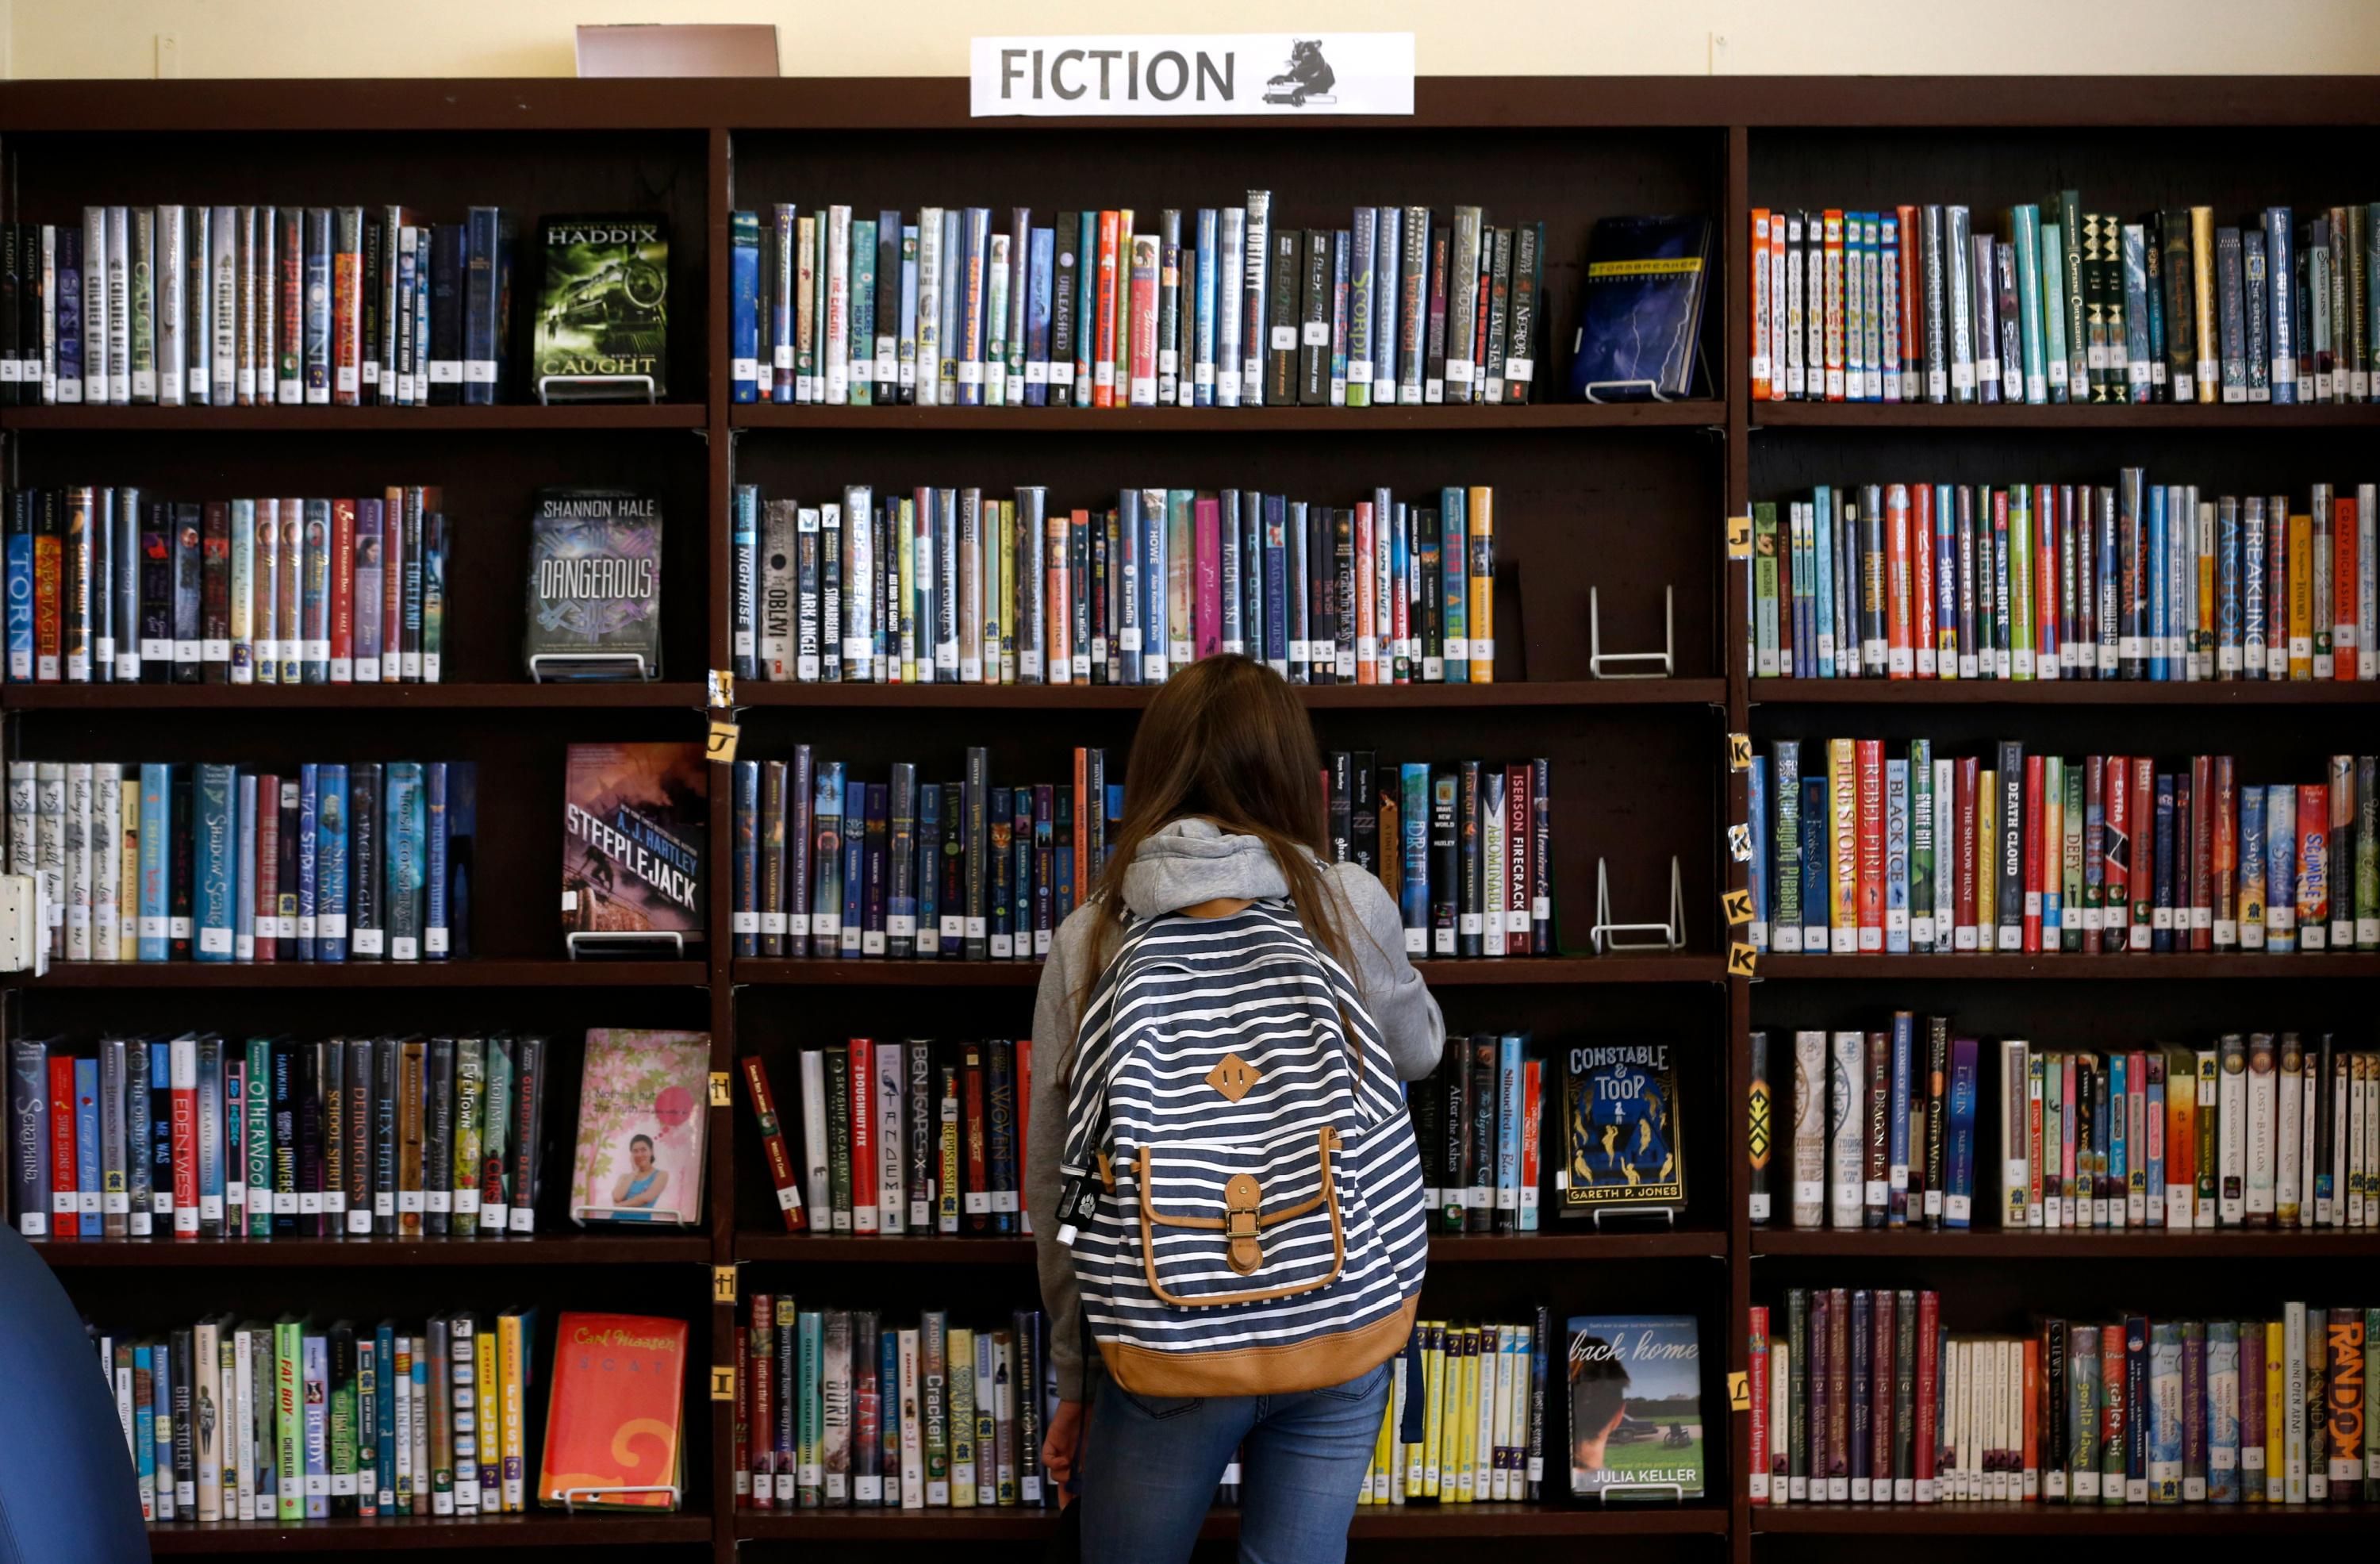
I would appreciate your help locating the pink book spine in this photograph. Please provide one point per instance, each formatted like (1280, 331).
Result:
(1367, 594)
(1205, 517)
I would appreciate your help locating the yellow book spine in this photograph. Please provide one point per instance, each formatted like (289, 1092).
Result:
(2301, 598)
(1123, 360)
(1842, 785)
(2275, 1428)
(1469, 1488)
(1433, 1407)
(2201, 293)
(1481, 543)
(512, 1381)
(483, 1352)
(1987, 878)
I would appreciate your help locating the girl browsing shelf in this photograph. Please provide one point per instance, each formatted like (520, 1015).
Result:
(1227, 1198)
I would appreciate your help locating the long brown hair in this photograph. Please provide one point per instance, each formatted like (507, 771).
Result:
(1225, 741)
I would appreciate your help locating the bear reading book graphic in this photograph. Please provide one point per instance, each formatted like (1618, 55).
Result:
(1308, 79)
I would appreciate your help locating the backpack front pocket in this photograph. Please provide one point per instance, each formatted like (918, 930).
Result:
(1225, 1224)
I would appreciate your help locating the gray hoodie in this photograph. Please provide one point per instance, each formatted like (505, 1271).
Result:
(1187, 862)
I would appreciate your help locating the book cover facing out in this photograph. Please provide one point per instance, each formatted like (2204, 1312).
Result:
(641, 1118)
(1635, 1407)
(613, 1415)
(594, 585)
(603, 314)
(634, 818)
(1640, 326)
(1620, 1111)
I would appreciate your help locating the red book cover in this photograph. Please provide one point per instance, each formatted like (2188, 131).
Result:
(1901, 658)
(1757, 1376)
(343, 591)
(2116, 903)
(2047, 524)
(971, 1114)
(772, 1142)
(2344, 589)
(1929, 1373)
(1533, 1088)
(1103, 339)
(268, 868)
(2144, 816)
(1059, 597)
(1970, 782)
(2224, 859)
(347, 318)
(863, 1137)
(1880, 1387)
(1921, 569)
(2202, 856)
(66, 1217)
(1081, 826)
(1143, 263)
(393, 512)
(1207, 574)
(183, 1063)
(2032, 1424)
(613, 1415)
(1870, 752)
(1912, 352)
(2037, 848)
(2315, 886)
(2094, 850)
(755, 1365)
(1517, 925)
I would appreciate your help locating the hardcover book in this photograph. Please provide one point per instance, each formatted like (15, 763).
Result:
(634, 821)
(602, 316)
(641, 1118)
(1619, 1102)
(1635, 1407)
(594, 586)
(613, 1418)
(1639, 334)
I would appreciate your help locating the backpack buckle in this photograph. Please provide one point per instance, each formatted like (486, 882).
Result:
(1243, 1199)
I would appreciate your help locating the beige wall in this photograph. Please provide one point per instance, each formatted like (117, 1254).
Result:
(243, 38)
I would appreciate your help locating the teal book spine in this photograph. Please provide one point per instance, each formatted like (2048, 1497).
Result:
(1454, 556)
(2026, 222)
(255, 1125)
(1823, 532)
(156, 862)
(402, 824)
(331, 867)
(861, 347)
(2052, 307)
(217, 853)
(1412, 883)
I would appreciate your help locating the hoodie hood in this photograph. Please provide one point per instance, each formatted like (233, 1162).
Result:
(1189, 862)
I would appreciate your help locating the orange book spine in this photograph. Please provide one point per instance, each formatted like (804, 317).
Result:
(1482, 536)
(1103, 339)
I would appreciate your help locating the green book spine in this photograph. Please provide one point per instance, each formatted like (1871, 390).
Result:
(256, 1129)
(288, 1419)
(2068, 206)
(811, 1421)
(470, 1096)
(2053, 308)
(2024, 224)
(495, 1138)
(1923, 926)
(343, 1419)
(862, 325)
(1764, 590)
(2071, 905)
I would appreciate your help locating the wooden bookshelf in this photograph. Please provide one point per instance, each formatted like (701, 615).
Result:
(1622, 500)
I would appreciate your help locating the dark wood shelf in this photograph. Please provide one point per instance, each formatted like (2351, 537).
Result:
(567, 1247)
(1397, 420)
(1516, 970)
(2059, 1520)
(819, 1249)
(496, 973)
(2230, 1244)
(2084, 416)
(2059, 692)
(347, 697)
(2126, 968)
(1317, 697)
(1396, 1520)
(422, 1533)
(602, 416)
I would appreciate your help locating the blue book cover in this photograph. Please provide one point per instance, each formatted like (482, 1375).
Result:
(1155, 596)
(947, 309)
(744, 306)
(210, 1131)
(2280, 284)
(20, 589)
(1201, 368)
(309, 776)
(1041, 266)
(400, 869)
(930, 870)
(87, 1156)
(1896, 857)
(1640, 327)
(1816, 874)
(156, 927)
(855, 866)
(1905, 1087)
(1412, 883)
(1781, 782)
(1822, 514)
(1126, 579)
(244, 909)
(484, 301)
(216, 853)
(144, 1428)
(2164, 1413)
(2222, 1412)
(1340, 313)
(1453, 563)
(1756, 872)
(331, 865)
(2280, 866)
(1621, 1101)
(744, 877)
(2153, 567)
(1508, 1132)
(1276, 583)
(315, 1422)
(1386, 253)
(437, 786)
(70, 313)
(1958, 1177)
(2119, 1139)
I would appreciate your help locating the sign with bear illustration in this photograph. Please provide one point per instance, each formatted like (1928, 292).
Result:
(1165, 74)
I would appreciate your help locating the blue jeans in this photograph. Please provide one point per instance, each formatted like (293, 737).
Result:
(1150, 1467)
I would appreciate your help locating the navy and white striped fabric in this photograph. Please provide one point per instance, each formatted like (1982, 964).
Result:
(1324, 1117)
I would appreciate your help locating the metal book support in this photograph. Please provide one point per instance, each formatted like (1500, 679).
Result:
(1631, 664)
(626, 942)
(594, 388)
(1608, 935)
(571, 1498)
(1644, 1490)
(1665, 1215)
(562, 663)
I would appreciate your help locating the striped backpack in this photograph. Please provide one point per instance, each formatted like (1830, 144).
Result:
(1241, 1191)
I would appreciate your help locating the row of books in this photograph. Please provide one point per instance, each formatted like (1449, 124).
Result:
(255, 305)
(2025, 852)
(201, 1137)
(2062, 305)
(917, 1137)
(1478, 1122)
(1217, 307)
(173, 862)
(2130, 580)
(1466, 1420)
(107, 585)
(950, 585)
(2255, 1131)
(842, 1409)
(1864, 1396)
